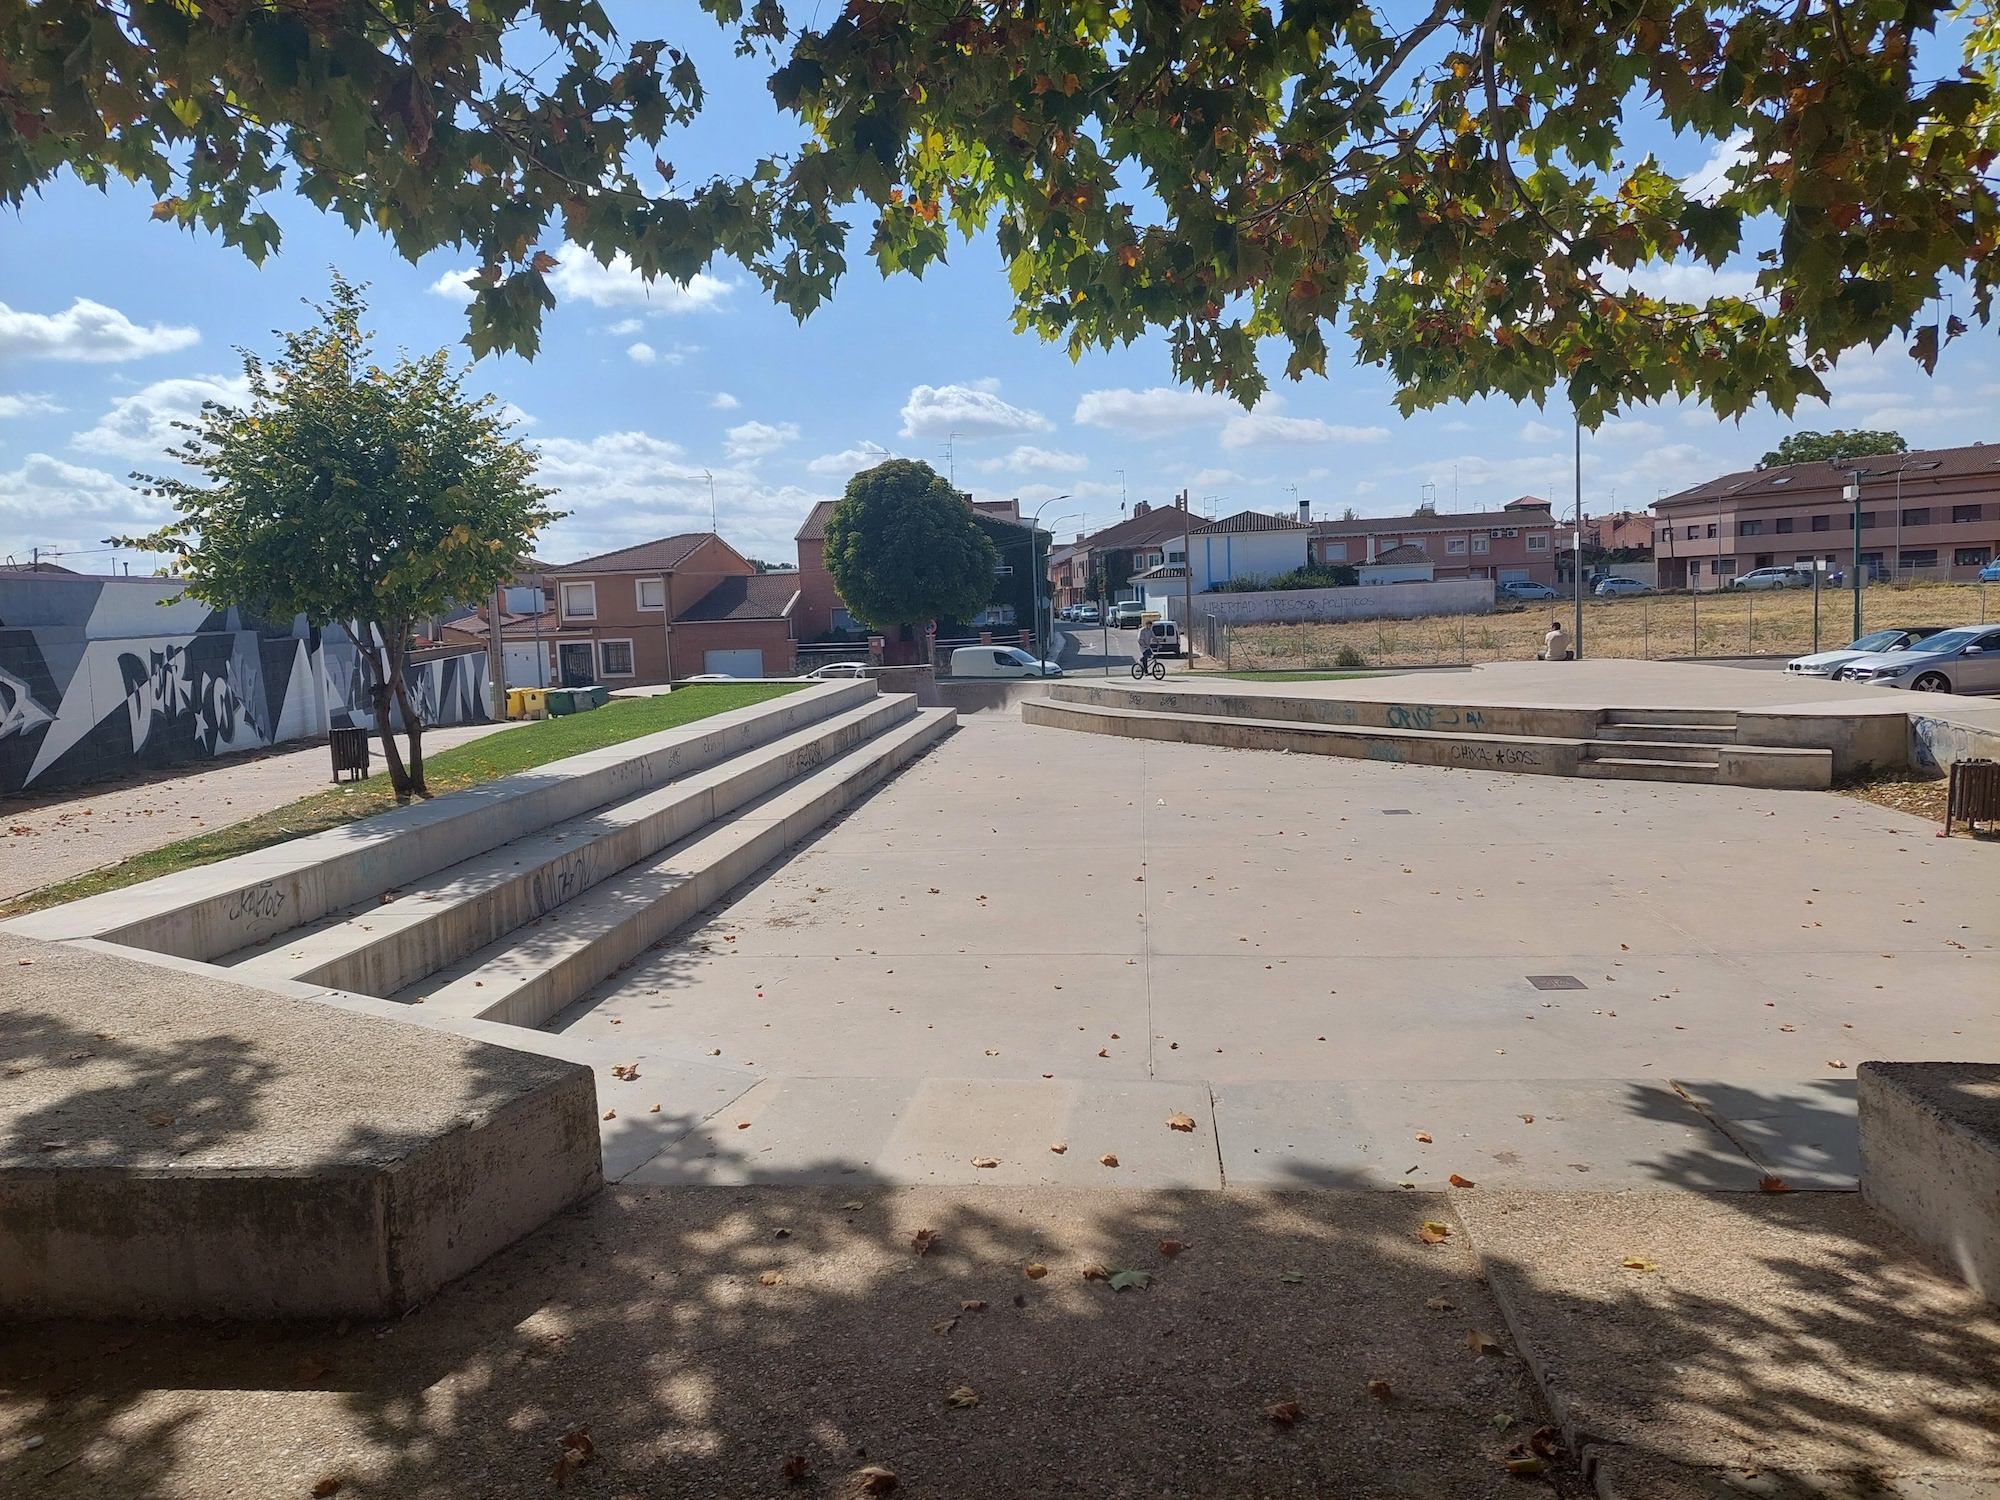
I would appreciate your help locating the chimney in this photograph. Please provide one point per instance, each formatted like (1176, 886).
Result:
(1305, 512)
(1140, 507)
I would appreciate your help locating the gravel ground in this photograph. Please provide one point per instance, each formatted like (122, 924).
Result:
(56, 835)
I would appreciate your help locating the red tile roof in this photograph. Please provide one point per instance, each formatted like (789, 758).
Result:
(646, 557)
(753, 596)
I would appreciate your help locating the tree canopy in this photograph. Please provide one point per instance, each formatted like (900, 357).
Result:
(1831, 447)
(355, 495)
(903, 549)
(1461, 191)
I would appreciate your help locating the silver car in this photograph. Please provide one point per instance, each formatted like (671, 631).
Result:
(1875, 643)
(1965, 660)
(1772, 578)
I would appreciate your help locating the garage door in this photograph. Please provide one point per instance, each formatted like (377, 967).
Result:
(734, 663)
(527, 665)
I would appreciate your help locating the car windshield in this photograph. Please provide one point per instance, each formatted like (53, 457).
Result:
(1881, 640)
(1945, 640)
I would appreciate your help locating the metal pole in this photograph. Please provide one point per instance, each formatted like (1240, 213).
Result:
(1187, 590)
(1576, 550)
(1695, 597)
(1818, 568)
(498, 661)
(1854, 494)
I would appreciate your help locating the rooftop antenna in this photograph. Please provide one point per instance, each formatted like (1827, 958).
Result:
(711, 499)
(1428, 496)
(950, 462)
(1121, 492)
(1454, 486)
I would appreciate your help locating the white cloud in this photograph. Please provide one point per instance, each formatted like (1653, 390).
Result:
(1158, 409)
(1535, 432)
(141, 426)
(46, 490)
(1708, 181)
(88, 333)
(1317, 473)
(1631, 431)
(971, 411)
(1028, 459)
(579, 278)
(1201, 479)
(1366, 487)
(754, 439)
(849, 461)
(1694, 282)
(624, 328)
(646, 354)
(1265, 428)
(725, 402)
(28, 404)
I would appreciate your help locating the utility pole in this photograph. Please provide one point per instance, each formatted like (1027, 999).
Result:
(1854, 495)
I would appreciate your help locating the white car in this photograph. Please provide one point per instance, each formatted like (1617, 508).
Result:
(1965, 660)
(1772, 578)
(837, 671)
(1086, 614)
(999, 661)
(1875, 643)
(1614, 585)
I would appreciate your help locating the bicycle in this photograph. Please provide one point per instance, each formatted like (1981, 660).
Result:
(1149, 666)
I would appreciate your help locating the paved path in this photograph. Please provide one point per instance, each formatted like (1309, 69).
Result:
(1034, 938)
(56, 835)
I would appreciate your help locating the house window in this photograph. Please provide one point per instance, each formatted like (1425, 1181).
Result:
(579, 601)
(1711, 529)
(1482, 545)
(1971, 557)
(1693, 533)
(1749, 528)
(1176, 557)
(1538, 541)
(1003, 570)
(1926, 558)
(1964, 513)
(1694, 567)
(614, 658)
(652, 593)
(1725, 566)
(1764, 560)
(1784, 526)
(1333, 552)
(1822, 523)
(1921, 516)
(1454, 546)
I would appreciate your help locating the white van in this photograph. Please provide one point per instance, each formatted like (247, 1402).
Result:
(1164, 636)
(999, 661)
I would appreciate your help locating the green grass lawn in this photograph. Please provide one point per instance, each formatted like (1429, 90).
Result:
(487, 759)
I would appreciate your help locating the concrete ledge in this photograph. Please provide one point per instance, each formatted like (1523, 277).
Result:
(179, 1146)
(1384, 713)
(1930, 1159)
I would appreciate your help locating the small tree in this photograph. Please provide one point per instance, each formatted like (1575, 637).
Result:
(1831, 447)
(902, 548)
(354, 494)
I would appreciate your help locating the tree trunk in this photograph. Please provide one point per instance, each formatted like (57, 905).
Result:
(380, 695)
(413, 724)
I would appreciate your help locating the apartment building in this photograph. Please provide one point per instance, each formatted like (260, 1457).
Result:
(1515, 543)
(1930, 514)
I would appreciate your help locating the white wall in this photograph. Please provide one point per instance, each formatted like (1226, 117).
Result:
(1220, 558)
(1387, 601)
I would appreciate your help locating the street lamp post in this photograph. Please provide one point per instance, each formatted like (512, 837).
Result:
(1034, 579)
(1852, 495)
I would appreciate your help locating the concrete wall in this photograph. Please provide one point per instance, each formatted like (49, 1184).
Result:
(1221, 556)
(1934, 744)
(1859, 742)
(1386, 601)
(1930, 1159)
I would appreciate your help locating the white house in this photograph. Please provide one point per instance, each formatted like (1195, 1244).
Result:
(1248, 546)
(1405, 564)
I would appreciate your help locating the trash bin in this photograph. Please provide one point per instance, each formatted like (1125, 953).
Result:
(350, 754)
(517, 703)
(534, 703)
(1973, 797)
(561, 701)
(599, 695)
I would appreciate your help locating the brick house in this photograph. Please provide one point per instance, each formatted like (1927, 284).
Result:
(662, 610)
(1515, 543)
(1930, 514)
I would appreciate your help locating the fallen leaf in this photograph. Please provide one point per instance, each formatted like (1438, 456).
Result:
(1480, 1342)
(1834, 1062)
(1171, 1248)
(1440, 1304)
(796, 1468)
(1424, 1136)
(781, 1234)
(992, 1052)
(922, 1241)
(1527, 1119)
(327, 1486)
(1108, 1160)
(1035, 1270)
(611, 1114)
(162, 1121)
(770, 1278)
(654, 1110)
(972, 1307)
(1060, 1147)
(1292, 1278)
(1457, 1181)
(626, 1071)
(875, 1480)
(1526, 1464)
(852, 1204)
(986, 1161)
(1502, 1420)
(742, 1124)
(962, 1398)
(1102, 1053)
(1096, 1273)
(1772, 1184)
(1434, 1233)
(1179, 1121)
(945, 1327)
(1788, 1028)
(577, 1451)
(1547, 1441)
(1126, 1280)
(1637, 1263)
(1380, 1390)
(1284, 1413)
(311, 1370)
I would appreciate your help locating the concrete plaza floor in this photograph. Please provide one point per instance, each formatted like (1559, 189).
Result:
(1035, 939)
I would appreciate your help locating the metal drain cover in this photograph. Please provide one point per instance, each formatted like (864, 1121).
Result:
(1557, 982)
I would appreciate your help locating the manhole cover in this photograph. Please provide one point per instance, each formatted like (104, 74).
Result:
(1557, 982)
(1393, 812)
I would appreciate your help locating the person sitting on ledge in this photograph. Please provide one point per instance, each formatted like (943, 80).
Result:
(1555, 645)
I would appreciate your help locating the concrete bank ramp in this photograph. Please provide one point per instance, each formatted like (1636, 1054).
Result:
(176, 1145)
(1656, 744)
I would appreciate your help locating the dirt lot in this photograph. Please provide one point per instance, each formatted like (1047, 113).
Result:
(1747, 623)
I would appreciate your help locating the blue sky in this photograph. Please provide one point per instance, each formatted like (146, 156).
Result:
(112, 325)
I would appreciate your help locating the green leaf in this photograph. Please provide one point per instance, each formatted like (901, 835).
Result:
(1126, 1280)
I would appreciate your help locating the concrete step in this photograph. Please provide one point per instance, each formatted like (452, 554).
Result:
(1671, 750)
(1190, 696)
(1687, 718)
(1635, 768)
(533, 973)
(1682, 734)
(381, 947)
(224, 907)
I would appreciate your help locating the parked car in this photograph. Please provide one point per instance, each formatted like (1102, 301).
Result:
(1521, 588)
(712, 677)
(1086, 614)
(1610, 588)
(1164, 636)
(1772, 578)
(1990, 573)
(1127, 613)
(999, 661)
(1875, 643)
(837, 671)
(1965, 660)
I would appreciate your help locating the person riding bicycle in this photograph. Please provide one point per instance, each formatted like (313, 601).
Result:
(1146, 655)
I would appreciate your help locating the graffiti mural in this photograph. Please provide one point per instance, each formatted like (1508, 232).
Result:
(98, 675)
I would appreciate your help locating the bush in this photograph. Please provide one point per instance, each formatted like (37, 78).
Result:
(1311, 576)
(1347, 658)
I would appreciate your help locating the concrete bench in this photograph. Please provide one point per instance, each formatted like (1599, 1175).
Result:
(175, 1145)
(1930, 1159)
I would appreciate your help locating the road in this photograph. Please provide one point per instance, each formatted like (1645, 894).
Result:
(1089, 650)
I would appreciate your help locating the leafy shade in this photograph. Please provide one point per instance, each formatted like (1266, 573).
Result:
(1831, 447)
(902, 548)
(355, 495)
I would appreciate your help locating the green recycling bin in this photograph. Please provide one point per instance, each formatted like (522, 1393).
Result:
(599, 695)
(562, 701)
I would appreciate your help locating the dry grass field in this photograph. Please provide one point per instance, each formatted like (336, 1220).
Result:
(1736, 623)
